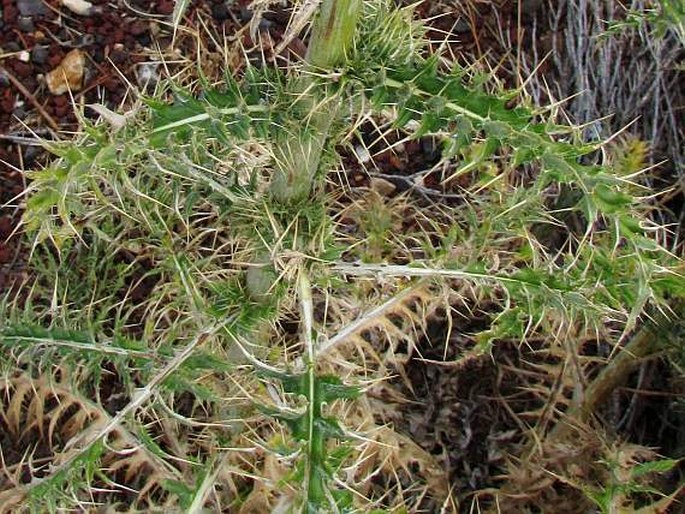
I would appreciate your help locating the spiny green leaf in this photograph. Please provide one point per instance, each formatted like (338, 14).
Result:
(657, 466)
(610, 199)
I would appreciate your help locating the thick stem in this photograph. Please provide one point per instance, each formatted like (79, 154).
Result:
(298, 150)
(297, 154)
(333, 33)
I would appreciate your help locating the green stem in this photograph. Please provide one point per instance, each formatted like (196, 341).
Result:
(298, 153)
(333, 33)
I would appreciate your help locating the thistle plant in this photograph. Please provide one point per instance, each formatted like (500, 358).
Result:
(191, 265)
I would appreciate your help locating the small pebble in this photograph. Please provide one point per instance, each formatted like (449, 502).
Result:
(5, 227)
(461, 27)
(154, 29)
(25, 24)
(11, 47)
(55, 59)
(9, 14)
(7, 104)
(112, 84)
(220, 11)
(430, 148)
(85, 40)
(68, 76)
(31, 153)
(19, 113)
(105, 29)
(362, 153)
(24, 56)
(39, 54)
(147, 74)
(138, 27)
(5, 253)
(21, 69)
(117, 55)
(61, 111)
(245, 14)
(165, 7)
(32, 7)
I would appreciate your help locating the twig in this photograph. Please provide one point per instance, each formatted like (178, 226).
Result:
(298, 21)
(21, 140)
(412, 185)
(14, 80)
(102, 347)
(645, 343)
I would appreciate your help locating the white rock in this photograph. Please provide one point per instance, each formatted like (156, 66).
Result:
(81, 7)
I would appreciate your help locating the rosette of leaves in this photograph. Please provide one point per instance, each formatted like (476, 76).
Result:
(162, 180)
